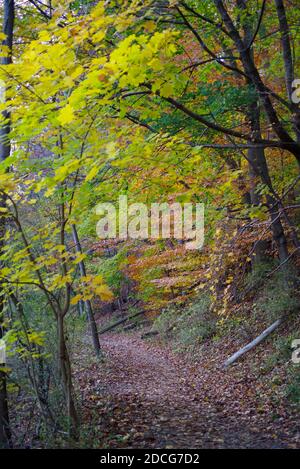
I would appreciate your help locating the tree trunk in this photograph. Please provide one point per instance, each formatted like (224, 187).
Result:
(288, 62)
(5, 435)
(255, 199)
(66, 374)
(258, 164)
(7, 29)
(259, 167)
(88, 305)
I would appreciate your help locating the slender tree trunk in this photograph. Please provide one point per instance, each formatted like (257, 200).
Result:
(88, 305)
(273, 207)
(286, 46)
(288, 62)
(80, 307)
(258, 164)
(66, 374)
(7, 29)
(5, 434)
(255, 199)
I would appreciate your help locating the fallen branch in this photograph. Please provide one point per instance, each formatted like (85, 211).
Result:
(120, 321)
(129, 327)
(149, 334)
(254, 342)
(153, 333)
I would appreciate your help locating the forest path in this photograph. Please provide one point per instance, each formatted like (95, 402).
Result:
(145, 397)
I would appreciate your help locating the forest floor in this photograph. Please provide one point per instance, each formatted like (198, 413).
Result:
(146, 396)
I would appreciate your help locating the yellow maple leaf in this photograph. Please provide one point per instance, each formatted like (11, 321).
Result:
(92, 173)
(66, 115)
(75, 299)
(104, 292)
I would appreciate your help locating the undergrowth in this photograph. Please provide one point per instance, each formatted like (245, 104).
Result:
(189, 326)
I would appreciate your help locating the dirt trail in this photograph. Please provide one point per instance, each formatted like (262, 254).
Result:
(148, 399)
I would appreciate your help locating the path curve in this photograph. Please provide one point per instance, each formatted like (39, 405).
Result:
(147, 399)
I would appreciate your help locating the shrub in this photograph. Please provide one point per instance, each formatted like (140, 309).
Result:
(190, 326)
(276, 295)
(293, 388)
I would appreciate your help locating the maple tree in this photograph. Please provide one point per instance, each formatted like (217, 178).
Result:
(160, 101)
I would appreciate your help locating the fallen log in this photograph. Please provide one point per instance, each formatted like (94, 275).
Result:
(149, 334)
(153, 333)
(120, 321)
(253, 343)
(129, 327)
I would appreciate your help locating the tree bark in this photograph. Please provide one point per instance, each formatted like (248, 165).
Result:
(259, 167)
(66, 374)
(286, 46)
(256, 156)
(5, 147)
(288, 62)
(88, 305)
(5, 434)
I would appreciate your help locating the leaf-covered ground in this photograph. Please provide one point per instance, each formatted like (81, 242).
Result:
(145, 396)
